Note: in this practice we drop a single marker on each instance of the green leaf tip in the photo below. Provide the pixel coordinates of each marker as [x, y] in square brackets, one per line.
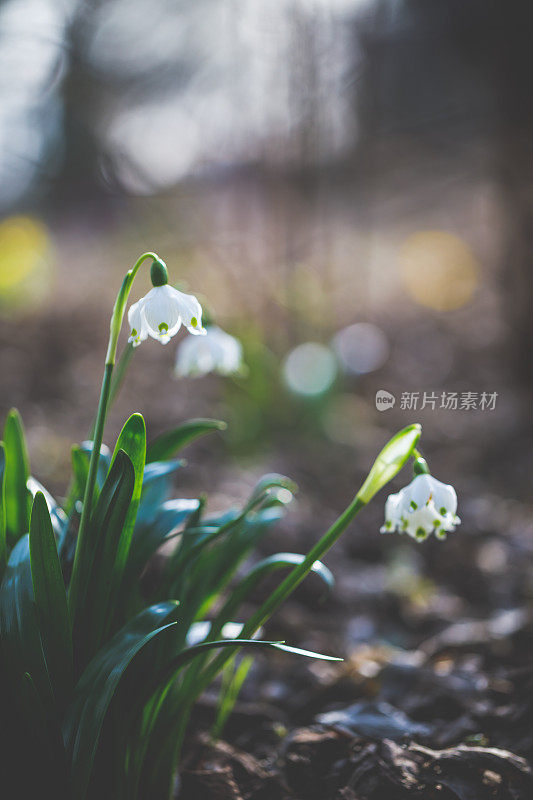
[171, 442]
[17, 472]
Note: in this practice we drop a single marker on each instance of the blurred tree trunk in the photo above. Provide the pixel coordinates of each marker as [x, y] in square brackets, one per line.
[512, 62]
[78, 178]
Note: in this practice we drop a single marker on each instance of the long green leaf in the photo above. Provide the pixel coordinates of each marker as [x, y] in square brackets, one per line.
[94, 611]
[163, 745]
[42, 747]
[169, 672]
[156, 488]
[17, 470]
[149, 537]
[80, 472]
[270, 564]
[19, 633]
[57, 516]
[171, 442]
[132, 440]
[216, 565]
[272, 487]
[50, 600]
[3, 542]
[97, 686]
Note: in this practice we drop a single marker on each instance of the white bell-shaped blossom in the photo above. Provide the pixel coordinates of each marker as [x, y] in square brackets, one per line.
[216, 352]
[160, 314]
[425, 505]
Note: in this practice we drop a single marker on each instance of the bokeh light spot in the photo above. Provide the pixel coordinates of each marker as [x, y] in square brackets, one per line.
[350, 420]
[438, 269]
[361, 348]
[310, 369]
[24, 263]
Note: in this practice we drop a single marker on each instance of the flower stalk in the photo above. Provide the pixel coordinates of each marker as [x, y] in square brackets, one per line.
[114, 331]
[389, 462]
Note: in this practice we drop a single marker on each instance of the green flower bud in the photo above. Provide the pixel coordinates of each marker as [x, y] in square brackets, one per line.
[159, 273]
[390, 461]
[420, 466]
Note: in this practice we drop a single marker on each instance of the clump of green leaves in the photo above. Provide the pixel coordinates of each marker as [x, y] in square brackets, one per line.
[98, 673]
[96, 693]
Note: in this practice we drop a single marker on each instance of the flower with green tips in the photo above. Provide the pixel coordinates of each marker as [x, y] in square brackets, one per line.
[162, 311]
[425, 505]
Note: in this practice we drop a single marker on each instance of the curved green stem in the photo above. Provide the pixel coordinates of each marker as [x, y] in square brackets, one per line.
[115, 326]
[388, 463]
[117, 380]
[287, 586]
[120, 306]
[265, 611]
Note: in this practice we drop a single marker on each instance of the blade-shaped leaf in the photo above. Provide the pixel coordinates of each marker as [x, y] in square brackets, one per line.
[42, 747]
[93, 611]
[216, 564]
[273, 486]
[132, 440]
[270, 564]
[80, 472]
[176, 708]
[200, 632]
[148, 538]
[169, 672]
[57, 516]
[104, 461]
[93, 694]
[19, 633]
[157, 484]
[171, 442]
[50, 600]
[17, 473]
[3, 543]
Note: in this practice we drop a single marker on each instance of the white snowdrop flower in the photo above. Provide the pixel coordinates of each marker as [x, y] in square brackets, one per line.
[425, 505]
[217, 352]
[160, 314]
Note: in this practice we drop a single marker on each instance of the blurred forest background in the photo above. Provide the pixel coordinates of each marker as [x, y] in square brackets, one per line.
[351, 173]
[347, 186]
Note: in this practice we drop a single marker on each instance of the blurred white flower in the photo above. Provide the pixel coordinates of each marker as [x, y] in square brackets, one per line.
[160, 314]
[217, 352]
[425, 505]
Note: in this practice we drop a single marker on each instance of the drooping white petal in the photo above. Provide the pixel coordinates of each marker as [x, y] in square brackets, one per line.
[190, 311]
[392, 517]
[138, 332]
[420, 491]
[444, 497]
[161, 313]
